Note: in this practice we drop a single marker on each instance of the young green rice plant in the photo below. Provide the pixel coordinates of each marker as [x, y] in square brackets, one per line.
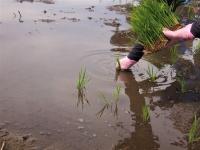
[182, 84]
[145, 113]
[82, 79]
[116, 92]
[193, 135]
[80, 85]
[112, 104]
[148, 21]
[151, 73]
[174, 54]
[117, 62]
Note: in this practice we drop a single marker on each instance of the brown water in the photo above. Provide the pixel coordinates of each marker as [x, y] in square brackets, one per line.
[43, 47]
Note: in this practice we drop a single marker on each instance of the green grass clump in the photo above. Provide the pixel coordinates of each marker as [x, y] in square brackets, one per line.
[193, 135]
[82, 80]
[151, 73]
[149, 19]
[145, 113]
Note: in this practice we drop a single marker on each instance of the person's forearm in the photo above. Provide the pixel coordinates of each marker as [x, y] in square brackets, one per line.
[136, 53]
[195, 29]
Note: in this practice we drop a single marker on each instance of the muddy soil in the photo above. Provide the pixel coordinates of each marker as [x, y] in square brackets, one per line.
[9, 141]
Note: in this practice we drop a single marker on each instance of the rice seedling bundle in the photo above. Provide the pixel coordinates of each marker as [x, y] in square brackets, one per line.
[148, 21]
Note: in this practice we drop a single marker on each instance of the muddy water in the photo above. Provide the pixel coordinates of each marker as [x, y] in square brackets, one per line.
[44, 44]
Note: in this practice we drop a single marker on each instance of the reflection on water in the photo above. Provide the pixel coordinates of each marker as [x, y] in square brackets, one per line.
[82, 98]
[142, 137]
[110, 104]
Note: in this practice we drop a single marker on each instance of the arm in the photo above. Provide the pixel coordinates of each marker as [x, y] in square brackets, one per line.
[188, 32]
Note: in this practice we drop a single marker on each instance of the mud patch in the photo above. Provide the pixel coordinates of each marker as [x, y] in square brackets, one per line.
[112, 22]
[46, 20]
[10, 141]
[122, 38]
[121, 9]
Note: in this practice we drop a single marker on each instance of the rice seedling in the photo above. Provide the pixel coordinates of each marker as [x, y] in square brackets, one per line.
[173, 54]
[81, 82]
[118, 66]
[151, 73]
[107, 105]
[148, 21]
[82, 79]
[145, 113]
[82, 98]
[182, 84]
[117, 92]
[112, 104]
[193, 135]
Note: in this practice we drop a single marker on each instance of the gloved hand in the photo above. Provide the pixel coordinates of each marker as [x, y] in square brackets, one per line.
[125, 63]
[180, 34]
[133, 57]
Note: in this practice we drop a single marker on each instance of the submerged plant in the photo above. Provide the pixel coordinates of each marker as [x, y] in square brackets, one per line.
[82, 98]
[149, 19]
[117, 92]
[112, 104]
[174, 54]
[145, 113]
[193, 135]
[182, 84]
[82, 79]
[151, 73]
[107, 105]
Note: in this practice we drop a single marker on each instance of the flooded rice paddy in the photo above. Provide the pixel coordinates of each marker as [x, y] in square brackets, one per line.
[44, 45]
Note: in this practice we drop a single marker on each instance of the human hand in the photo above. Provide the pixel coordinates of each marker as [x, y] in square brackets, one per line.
[125, 63]
[133, 57]
[178, 35]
